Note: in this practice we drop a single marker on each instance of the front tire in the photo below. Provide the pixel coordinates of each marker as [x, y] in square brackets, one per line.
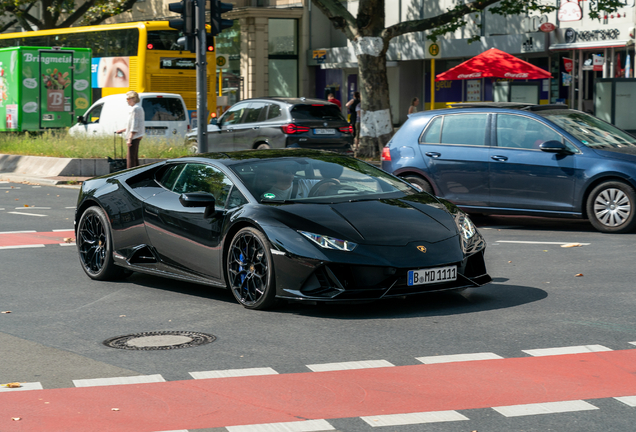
[95, 246]
[611, 207]
[250, 270]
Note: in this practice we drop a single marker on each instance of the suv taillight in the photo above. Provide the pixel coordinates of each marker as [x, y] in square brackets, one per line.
[292, 128]
[346, 129]
[386, 154]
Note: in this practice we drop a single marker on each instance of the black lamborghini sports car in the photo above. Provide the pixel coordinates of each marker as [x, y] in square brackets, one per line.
[277, 224]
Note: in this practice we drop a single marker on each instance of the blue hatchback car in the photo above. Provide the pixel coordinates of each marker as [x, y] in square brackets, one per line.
[520, 159]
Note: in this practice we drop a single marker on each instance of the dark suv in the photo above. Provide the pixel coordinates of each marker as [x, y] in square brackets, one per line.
[277, 122]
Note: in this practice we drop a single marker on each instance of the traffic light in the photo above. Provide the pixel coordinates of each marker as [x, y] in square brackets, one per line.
[217, 23]
[187, 22]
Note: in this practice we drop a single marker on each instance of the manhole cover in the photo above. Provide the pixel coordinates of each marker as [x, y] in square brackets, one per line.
[159, 340]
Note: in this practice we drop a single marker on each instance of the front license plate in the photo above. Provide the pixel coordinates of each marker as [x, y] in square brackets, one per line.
[324, 131]
[432, 275]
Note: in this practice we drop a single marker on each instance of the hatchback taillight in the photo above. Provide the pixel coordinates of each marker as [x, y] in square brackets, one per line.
[292, 128]
[386, 154]
[346, 129]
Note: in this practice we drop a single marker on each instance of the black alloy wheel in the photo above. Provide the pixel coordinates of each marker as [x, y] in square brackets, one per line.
[611, 207]
[94, 245]
[250, 270]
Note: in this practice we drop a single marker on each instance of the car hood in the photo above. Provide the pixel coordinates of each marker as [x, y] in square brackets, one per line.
[375, 222]
[620, 153]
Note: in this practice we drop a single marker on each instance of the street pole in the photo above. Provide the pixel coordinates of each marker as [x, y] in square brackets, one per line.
[202, 75]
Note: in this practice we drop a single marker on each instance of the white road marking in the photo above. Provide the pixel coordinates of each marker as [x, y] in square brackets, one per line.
[68, 244]
[35, 187]
[566, 350]
[539, 243]
[17, 232]
[23, 386]
[233, 373]
[349, 365]
[27, 214]
[633, 343]
[544, 408]
[22, 246]
[32, 207]
[627, 400]
[16, 187]
[458, 358]
[299, 426]
[60, 230]
[141, 379]
[72, 207]
[414, 418]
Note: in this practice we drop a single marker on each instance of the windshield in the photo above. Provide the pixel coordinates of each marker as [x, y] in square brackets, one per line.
[312, 179]
[589, 130]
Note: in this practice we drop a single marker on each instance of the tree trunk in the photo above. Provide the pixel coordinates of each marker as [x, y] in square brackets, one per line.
[376, 126]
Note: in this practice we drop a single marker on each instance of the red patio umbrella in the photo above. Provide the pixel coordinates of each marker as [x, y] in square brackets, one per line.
[494, 63]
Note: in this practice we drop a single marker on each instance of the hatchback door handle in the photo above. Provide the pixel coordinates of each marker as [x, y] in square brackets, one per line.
[499, 158]
[433, 154]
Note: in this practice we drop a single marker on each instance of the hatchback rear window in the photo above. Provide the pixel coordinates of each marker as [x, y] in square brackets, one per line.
[316, 112]
[163, 109]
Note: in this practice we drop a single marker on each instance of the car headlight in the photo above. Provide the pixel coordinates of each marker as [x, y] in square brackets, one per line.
[466, 227]
[330, 242]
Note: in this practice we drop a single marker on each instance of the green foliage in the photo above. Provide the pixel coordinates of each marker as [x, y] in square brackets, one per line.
[59, 144]
[60, 13]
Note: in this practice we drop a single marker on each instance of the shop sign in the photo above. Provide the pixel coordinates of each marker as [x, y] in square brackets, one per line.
[598, 62]
[570, 11]
[320, 56]
[569, 64]
[547, 27]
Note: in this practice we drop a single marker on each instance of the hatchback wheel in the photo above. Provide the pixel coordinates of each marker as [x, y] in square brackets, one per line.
[419, 182]
[95, 246]
[250, 270]
[611, 206]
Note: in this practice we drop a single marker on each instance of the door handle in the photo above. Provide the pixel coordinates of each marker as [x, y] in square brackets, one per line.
[499, 158]
[256, 127]
[433, 154]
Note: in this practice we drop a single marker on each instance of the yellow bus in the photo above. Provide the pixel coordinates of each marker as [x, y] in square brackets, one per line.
[140, 56]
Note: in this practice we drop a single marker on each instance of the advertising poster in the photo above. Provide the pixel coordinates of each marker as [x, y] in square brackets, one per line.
[473, 90]
[110, 72]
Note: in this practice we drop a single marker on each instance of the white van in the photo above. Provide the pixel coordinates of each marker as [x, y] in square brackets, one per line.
[166, 117]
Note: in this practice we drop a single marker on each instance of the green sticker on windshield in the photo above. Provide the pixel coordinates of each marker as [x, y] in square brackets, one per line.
[269, 196]
[584, 142]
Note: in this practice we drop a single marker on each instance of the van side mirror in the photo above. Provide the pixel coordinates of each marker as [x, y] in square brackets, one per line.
[80, 119]
[214, 121]
[554, 147]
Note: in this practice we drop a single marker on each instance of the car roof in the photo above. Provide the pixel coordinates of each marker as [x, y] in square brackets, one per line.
[487, 107]
[289, 100]
[236, 157]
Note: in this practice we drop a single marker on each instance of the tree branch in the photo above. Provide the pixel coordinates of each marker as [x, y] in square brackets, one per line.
[339, 16]
[79, 12]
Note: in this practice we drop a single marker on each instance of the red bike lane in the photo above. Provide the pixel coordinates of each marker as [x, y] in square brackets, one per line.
[221, 402]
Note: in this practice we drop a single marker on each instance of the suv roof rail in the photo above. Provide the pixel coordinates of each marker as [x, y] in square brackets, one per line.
[513, 105]
[547, 107]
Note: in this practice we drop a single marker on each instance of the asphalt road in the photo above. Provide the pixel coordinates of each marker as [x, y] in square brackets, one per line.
[543, 296]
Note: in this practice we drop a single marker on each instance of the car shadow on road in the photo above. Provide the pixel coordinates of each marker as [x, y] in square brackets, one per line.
[497, 295]
[532, 223]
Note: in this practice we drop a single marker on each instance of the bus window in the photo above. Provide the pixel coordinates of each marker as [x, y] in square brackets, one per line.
[164, 40]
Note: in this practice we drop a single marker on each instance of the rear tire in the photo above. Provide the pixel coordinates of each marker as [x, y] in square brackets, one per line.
[611, 207]
[420, 182]
[263, 146]
[95, 246]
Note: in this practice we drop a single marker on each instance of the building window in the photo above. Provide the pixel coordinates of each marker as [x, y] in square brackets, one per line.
[283, 57]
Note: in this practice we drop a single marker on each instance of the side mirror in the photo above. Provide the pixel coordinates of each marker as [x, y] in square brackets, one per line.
[554, 147]
[80, 119]
[199, 199]
[214, 121]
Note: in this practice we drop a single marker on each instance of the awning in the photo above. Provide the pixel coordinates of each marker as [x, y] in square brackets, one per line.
[592, 45]
[494, 63]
